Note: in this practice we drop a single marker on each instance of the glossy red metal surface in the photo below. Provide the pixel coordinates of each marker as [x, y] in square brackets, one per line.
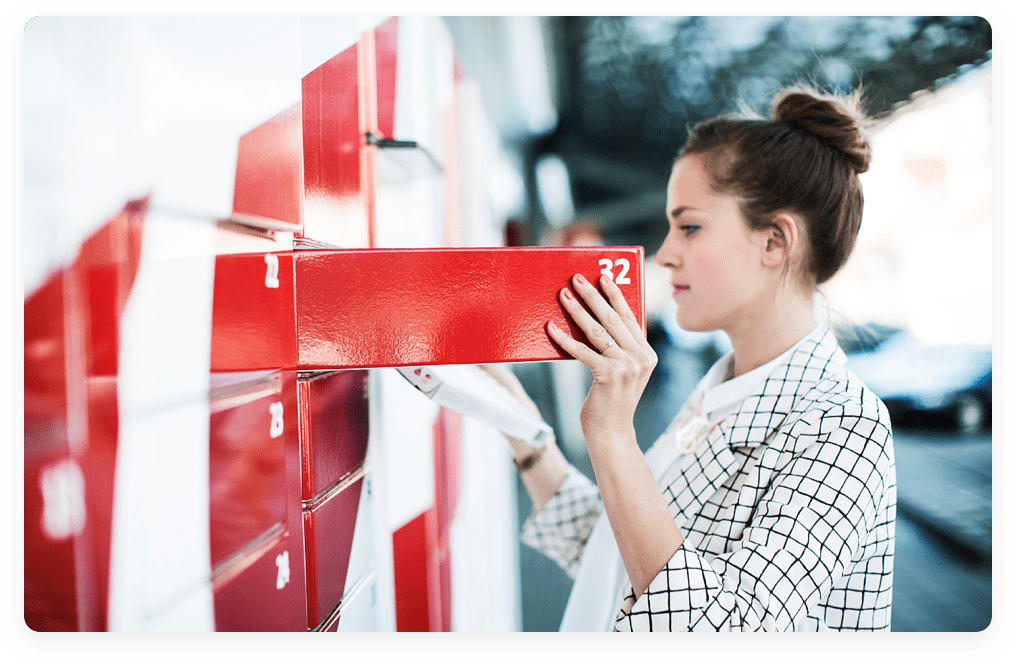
[386, 42]
[334, 426]
[102, 276]
[422, 547]
[256, 530]
[402, 307]
[366, 86]
[447, 452]
[50, 593]
[328, 539]
[250, 425]
[269, 169]
[334, 203]
[253, 321]
[266, 593]
[71, 426]
[417, 574]
[258, 480]
[406, 307]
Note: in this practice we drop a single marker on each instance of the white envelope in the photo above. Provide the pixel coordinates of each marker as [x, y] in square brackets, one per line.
[470, 390]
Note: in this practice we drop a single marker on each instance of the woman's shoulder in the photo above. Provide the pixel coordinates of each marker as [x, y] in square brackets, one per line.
[833, 384]
[841, 401]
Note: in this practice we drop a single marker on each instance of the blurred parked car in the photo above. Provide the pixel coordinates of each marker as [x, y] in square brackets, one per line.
[922, 384]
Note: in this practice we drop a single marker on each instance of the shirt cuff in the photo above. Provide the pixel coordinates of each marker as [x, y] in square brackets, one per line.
[675, 598]
[561, 528]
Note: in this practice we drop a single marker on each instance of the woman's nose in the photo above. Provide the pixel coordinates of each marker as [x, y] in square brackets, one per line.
[667, 256]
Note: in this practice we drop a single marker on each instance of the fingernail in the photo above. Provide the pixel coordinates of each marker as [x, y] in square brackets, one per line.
[567, 294]
[579, 278]
[552, 326]
[608, 276]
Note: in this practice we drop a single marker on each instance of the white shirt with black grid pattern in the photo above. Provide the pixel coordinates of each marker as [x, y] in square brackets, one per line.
[788, 509]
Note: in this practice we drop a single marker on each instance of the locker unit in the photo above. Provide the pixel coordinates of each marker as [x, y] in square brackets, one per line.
[71, 427]
[329, 309]
[333, 428]
[255, 531]
[215, 434]
[53, 493]
[334, 433]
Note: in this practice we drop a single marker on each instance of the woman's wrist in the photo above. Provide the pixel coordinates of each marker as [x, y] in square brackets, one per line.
[528, 460]
[605, 442]
[542, 471]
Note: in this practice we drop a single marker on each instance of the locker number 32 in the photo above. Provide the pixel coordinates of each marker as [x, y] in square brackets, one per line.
[607, 267]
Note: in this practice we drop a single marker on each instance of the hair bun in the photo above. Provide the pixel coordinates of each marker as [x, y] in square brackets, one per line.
[836, 120]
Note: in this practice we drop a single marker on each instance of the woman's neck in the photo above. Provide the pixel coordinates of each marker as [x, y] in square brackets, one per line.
[759, 339]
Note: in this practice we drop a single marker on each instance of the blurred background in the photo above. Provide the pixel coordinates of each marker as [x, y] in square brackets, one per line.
[592, 111]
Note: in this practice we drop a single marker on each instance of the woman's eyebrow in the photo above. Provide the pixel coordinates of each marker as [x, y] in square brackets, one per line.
[678, 211]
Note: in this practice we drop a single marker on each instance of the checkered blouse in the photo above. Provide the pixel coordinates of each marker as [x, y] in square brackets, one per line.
[788, 509]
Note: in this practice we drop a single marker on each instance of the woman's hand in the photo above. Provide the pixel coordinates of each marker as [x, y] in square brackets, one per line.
[621, 359]
[644, 530]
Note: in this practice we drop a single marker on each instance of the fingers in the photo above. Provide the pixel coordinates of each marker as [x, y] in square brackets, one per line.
[620, 305]
[600, 334]
[576, 349]
[611, 319]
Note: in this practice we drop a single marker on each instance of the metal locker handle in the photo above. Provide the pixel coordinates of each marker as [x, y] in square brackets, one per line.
[402, 160]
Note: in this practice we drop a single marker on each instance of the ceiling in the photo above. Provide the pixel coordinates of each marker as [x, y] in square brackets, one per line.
[612, 97]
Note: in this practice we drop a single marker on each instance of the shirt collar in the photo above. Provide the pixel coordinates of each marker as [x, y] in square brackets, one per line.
[763, 401]
[723, 397]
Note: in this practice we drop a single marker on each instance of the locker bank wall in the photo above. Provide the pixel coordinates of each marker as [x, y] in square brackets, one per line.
[186, 467]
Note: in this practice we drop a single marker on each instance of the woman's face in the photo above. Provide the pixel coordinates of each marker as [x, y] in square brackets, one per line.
[715, 260]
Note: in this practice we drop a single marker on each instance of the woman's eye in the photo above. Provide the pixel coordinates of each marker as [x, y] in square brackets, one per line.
[688, 229]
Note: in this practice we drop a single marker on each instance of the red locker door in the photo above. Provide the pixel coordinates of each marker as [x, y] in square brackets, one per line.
[410, 307]
[338, 162]
[334, 428]
[255, 535]
[54, 492]
[403, 307]
[269, 172]
[247, 474]
[71, 427]
[253, 321]
[328, 526]
[265, 593]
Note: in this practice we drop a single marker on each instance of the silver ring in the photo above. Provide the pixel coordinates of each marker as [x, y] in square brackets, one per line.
[601, 351]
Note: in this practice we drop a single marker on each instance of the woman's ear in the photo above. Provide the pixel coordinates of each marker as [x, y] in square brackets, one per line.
[780, 240]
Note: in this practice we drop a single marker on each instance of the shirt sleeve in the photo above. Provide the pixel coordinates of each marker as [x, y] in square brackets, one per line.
[809, 527]
[561, 529]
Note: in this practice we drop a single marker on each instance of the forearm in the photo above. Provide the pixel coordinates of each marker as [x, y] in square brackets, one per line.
[543, 478]
[643, 527]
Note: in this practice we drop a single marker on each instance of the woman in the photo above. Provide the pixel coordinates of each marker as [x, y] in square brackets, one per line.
[769, 504]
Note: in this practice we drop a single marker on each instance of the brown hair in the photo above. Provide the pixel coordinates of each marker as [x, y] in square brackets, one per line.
[804, 161]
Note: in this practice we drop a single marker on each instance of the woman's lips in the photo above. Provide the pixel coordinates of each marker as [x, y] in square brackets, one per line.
[680, 288]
